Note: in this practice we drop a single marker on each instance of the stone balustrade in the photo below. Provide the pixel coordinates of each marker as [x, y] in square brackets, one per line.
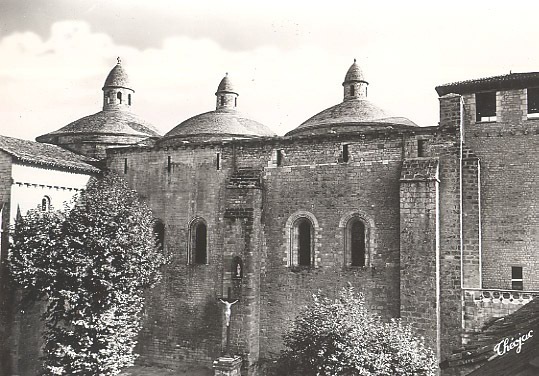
[500, 296]
[483, 305]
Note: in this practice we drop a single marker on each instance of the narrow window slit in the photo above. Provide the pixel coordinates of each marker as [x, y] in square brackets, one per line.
[345, 153]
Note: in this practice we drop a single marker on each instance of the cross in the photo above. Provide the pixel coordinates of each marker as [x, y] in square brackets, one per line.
[228, 312]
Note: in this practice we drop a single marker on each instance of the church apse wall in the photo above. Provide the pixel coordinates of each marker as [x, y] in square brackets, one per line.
[254, 195]
[314, 183]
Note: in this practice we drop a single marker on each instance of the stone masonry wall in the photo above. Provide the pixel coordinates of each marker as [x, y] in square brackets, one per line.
[299, 176]
[312, 178]
[183, 318]
[509, 185]
[471, 221]
[419, 267]
[447, 147]
[314, 181]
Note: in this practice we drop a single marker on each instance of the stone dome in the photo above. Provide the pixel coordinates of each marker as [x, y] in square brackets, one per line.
[354, 113]
[225, 122]
[117, 77]
[226, 86]
[116, 125]
[354, 74]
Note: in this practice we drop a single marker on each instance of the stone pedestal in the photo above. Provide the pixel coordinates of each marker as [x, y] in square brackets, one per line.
[227, 366]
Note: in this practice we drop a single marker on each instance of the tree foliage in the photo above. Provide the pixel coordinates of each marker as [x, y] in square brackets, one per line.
[90, 266]
[339, 337]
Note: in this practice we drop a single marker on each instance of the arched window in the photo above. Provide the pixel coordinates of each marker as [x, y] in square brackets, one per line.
[159, 231]
[355, 242]
[302, 236]
[129, 99]
[235, 101]
[45, 203]
[108, 97]
[119, 96]
[222, 100]
[198, 242]
[301, 229]
[352, 90]
[304, 241]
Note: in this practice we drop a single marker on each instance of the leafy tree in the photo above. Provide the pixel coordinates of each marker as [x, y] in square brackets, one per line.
[90, 266]
[339, 337]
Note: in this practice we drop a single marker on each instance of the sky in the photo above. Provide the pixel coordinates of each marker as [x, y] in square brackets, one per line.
[287, 59]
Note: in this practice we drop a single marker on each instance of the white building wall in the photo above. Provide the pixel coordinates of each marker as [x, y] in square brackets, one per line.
[31, 183]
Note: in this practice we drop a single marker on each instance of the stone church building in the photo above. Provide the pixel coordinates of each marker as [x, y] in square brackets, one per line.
[436, 225]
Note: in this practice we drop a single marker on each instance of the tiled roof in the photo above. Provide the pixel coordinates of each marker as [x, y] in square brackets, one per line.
[115, 122]
[480, 349]
[219, 123]
[354, 111]
[503, 82]
[45, 154]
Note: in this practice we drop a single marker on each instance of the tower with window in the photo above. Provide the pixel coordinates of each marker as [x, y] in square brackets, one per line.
[355, 86]
[117, 91]
[227, 97]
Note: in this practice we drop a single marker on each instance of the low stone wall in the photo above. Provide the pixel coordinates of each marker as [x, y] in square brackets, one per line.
[482, 306]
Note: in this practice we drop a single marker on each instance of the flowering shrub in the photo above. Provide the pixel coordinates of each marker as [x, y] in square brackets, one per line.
[334, 337]
[90, 265]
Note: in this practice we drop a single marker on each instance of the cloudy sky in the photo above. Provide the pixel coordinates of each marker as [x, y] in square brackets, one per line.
[286, 58]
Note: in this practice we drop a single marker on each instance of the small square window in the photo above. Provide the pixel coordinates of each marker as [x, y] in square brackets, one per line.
[485, 105]
[516, 278]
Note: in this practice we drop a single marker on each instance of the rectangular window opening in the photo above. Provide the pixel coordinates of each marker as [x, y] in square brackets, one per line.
[516, 278]
[345, 153]
[533, 102]
[218, 161]
[169, 164]
[279, 157]
[421, 148]
[485, 106]
[125, 165]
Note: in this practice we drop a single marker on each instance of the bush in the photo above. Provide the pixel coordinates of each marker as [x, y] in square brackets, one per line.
[334, 337]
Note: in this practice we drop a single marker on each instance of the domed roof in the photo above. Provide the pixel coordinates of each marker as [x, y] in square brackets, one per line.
[224, 123]
[226, 85]
[219, 124]
[354, 74]
[111, 123]
[117, 77]
[356, 112]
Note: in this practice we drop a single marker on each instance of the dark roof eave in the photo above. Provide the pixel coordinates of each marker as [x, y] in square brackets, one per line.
[379, 124]
[504, 82]
[53, 134]
[90, 169]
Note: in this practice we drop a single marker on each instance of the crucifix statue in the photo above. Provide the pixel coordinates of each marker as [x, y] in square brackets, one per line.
[228, 312]
[228, 309]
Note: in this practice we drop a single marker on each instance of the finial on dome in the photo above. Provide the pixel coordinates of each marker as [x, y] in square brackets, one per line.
[354, 60]
[120, 60]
